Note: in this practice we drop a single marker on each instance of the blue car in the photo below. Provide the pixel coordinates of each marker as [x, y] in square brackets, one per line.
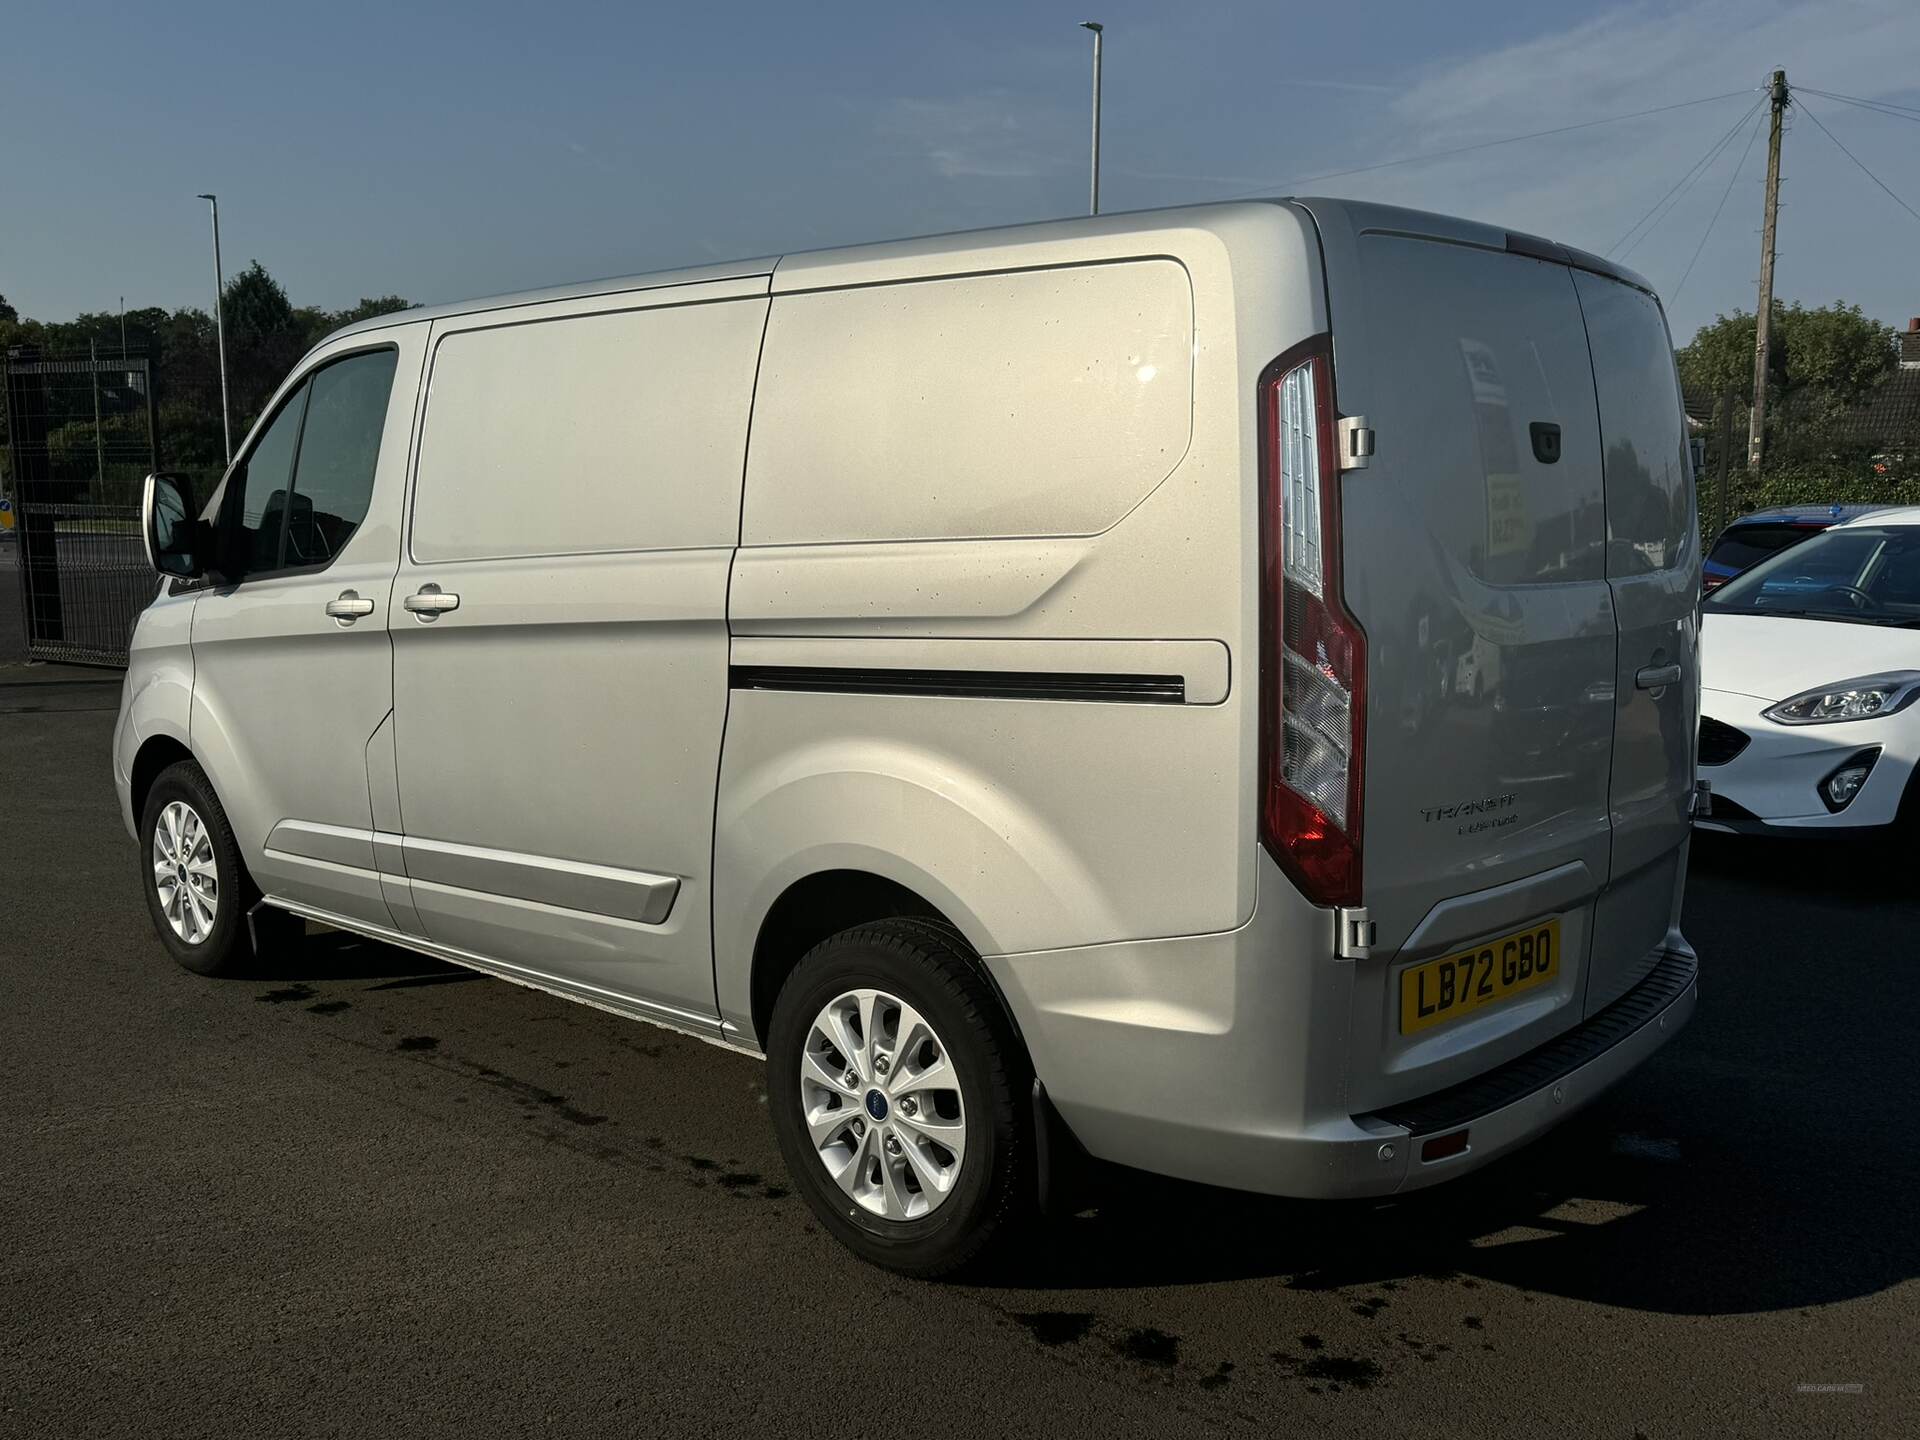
[1752, 538]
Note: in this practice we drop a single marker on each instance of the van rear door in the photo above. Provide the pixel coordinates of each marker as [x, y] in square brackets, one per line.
[1653, 569]
[1475, 559]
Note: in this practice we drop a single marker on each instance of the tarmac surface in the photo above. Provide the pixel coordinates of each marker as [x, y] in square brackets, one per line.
[362, 1193]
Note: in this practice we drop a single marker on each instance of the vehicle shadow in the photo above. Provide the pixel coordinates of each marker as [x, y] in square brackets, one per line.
[328, 954]
[1878, 870]
[1602, 1211]
[1755, 1164]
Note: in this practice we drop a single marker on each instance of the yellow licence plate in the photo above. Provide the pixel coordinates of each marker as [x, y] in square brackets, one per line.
[1456, 985]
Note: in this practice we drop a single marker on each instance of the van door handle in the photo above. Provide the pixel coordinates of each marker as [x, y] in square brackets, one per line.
[430, 602]
[1657, 677]
[349, 607]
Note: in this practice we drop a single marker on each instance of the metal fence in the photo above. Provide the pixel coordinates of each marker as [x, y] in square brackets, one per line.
[81, 440]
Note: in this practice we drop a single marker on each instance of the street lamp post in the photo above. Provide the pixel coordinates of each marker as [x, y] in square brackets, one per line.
[220, 326]
[1096, 27]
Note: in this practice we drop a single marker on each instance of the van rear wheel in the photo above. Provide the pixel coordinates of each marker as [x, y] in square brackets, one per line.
[894, 1079]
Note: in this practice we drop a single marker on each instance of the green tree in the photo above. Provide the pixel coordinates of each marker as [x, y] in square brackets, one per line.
[368, 308]
[1825, 363]
[1832, 352]
[256, 307]
[266, 336]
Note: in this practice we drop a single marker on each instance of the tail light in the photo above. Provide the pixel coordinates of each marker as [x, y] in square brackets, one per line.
[1313, 663]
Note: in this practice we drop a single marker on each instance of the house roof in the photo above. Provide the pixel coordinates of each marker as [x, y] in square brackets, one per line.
[1889, 415]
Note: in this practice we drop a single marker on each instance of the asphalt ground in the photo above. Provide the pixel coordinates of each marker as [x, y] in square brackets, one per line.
[361, 1193]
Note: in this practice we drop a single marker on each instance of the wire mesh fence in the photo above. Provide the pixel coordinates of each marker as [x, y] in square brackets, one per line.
[81, 439]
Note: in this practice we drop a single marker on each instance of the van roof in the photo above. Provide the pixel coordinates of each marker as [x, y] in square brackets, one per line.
[915, 251]
[894, 259]
[579, 290]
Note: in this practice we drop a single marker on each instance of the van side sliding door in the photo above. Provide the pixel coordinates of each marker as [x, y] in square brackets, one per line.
[560, 635]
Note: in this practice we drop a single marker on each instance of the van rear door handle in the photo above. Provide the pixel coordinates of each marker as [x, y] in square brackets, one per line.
[349, 607]
[1657, 677]
[430, 602]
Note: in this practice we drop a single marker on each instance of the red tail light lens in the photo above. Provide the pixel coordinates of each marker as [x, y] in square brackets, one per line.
[1313, 654]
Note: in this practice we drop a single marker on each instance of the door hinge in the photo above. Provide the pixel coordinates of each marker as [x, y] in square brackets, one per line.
[1353, 939]
[1356, 442]
[1702, 805]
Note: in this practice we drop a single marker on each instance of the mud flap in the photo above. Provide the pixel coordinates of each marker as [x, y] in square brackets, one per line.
[1062, 1168]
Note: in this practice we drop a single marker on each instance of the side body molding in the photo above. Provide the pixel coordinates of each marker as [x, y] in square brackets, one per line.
[635, 895]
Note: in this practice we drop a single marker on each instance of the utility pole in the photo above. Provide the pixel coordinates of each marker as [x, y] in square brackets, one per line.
[220, 325]
[1763, 315]
[1096, 27]
[123, 327]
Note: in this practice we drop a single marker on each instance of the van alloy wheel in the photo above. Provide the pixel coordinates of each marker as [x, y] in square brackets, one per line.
[880, 1096]
[184, 873]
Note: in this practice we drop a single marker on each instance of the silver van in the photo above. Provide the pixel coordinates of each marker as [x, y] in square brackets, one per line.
[1213, 687]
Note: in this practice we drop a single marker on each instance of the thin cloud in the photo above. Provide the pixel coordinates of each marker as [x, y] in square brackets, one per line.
[1589, 186]
[991, 135]
[1294, 82]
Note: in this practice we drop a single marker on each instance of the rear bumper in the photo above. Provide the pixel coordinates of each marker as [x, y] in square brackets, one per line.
[1513, 1103]
[1205, 1059]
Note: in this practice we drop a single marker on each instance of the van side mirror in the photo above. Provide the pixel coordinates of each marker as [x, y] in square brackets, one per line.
[169, 528]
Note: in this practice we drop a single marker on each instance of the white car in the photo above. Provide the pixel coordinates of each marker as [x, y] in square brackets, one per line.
[1810, 668]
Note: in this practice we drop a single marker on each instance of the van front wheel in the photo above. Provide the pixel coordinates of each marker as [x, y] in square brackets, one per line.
[197, 889]
[894, 1080]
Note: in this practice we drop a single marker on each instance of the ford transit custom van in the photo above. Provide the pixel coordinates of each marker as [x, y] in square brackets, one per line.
[1213, 687]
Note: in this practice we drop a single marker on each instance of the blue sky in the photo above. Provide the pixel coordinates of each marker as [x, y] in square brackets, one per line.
[448, 151]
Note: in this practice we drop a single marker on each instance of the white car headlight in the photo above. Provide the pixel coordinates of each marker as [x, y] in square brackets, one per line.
[1867, 698]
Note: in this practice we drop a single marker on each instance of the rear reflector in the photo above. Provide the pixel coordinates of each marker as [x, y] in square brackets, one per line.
[1443, 1146]
[1313, 653]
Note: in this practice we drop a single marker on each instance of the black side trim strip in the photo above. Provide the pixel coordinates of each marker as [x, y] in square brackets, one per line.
[1466, 1102]
[963, 684]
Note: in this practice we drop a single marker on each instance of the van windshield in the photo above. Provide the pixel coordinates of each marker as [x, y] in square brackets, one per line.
[1855, 575]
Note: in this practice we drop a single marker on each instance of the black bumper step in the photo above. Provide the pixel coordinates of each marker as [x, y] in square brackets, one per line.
[1466, 1102]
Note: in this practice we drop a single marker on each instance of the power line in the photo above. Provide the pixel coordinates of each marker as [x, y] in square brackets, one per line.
[1708, 232]
[1883, 107]
[1858, 161]
[1693, 172]
[1268, 189]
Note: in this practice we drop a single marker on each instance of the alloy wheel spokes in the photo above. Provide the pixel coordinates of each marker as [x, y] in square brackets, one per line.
[186, 876]
[881, 1101]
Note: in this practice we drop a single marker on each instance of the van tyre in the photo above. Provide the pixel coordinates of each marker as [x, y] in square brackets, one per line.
[197, 890]
[900, 1097]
